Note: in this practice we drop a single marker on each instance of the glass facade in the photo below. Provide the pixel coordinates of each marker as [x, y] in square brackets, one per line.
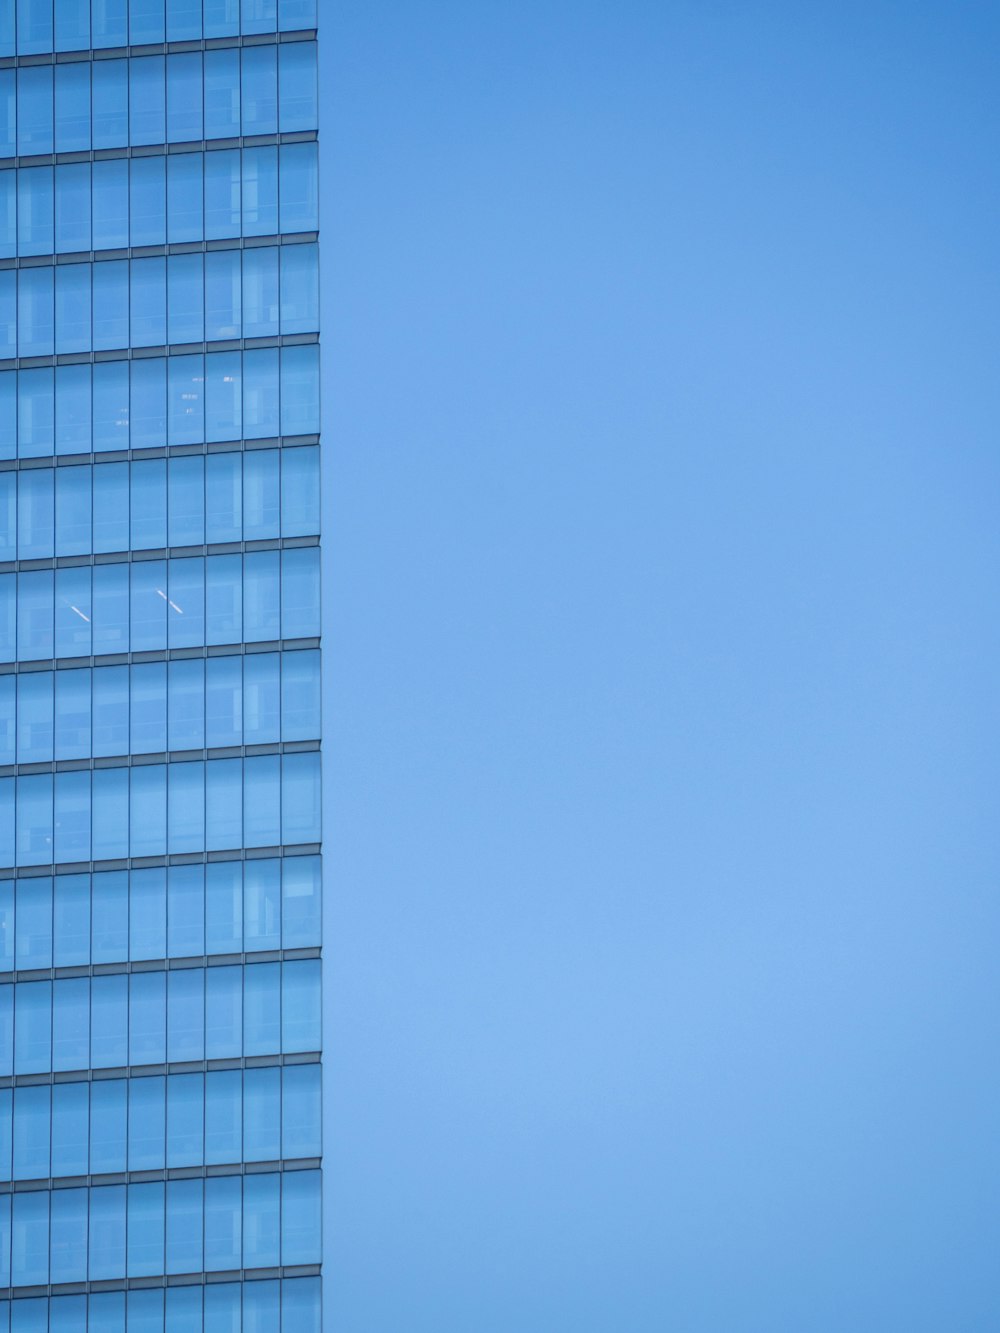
[160, 840]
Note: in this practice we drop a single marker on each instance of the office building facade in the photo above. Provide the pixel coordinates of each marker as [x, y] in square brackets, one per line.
[160, 869]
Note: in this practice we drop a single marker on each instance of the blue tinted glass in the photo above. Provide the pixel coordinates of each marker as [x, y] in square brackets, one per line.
[300, 1006]
[300, 1304]
[186, 1015]
[74, 510]
[147, 1018]
[186, 808]
[261, 1115]
[183, 20]
[223, 1117]
[261, 495]
[260, 292]
[72, 911]
[262, 1009]
[260, 191]
[147, 187]
[299, 390]
[110, 101]
[186, 705]
[224, 1013]
[297, 75]
[107, 1241]
[32, 1129]
[300, 592]
[109, 1028]
[301, 1233]
[185, 1119]
[30, 1239]
[261, 698]
[110, 22]
[110, 204]
[110, 695]
[222, 94]
[261, 1221]
[73, 107]
[71, 1024]
[223, 192]
[147, 707]
[301, 1111]
[70, 1129]
[110, 904]
[186, 501]
[185, 1225]
[145, 21]
[223, 1223]
[223, 910]
[299, 288]
[299, 188]
[186, 198]
[148, 302]
[69, 1240]
[34, 107]
[183, 1309]
[184, 97]
[260, 89]
[258, 16]
[261, 1306]
[146, 1124]
[262, 904]
[73, 221]
[72, 24]
[186, 299]
[107, 1310]
[148, 904]
[34, 26]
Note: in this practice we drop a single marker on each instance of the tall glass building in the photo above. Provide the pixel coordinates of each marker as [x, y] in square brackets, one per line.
[160, 875]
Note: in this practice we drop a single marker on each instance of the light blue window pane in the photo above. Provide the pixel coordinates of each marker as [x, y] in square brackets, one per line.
[30, 1239]
[186, 399]
[69, 1247]
[223, 1223]
[222, 94]
[301, 1306]
[223, 599]
[33, 1027]
[186, 284]
[300, 1006]
[32, 1130]
[148, 812]
[71, 1024]
[148, 912]
[261, 698]
[73, 218]
[183, 20]
[186, 197]
[301, 1231]
[145, 1308]
[186, 501]
[148, 504]
[8, 313]
[185, 907]
[299, 288]
[261, 596]
[186, 602]
[184, 98]
[260, 292]
[73, 612]
[260, 90]
[149, 302]
[185, 1119]
[262, 904]
[185, 1225]
[260, 191]
[110, 795]
[301, 1111]
[8, 214]
[223, 194]
[222, 18]
[107, 1310]
[222, 1307]
[34, 922]
[74, 510]
[110, 687]
[34, 614]
[29, 1315]
[147, 196]
[72, 917]
[299, 92]
[258, 16]
[186, 704]
[223, 1119]
[35, 413]
[73, 409]
[261, 1229]
[300, 696]
[223, 912]
[110, 304]
[299, 188]
[223, 701]
[107, 1240]
[34, 26]
[35, 215]
[147, 99]
[35, 514]
[8, 608]
[73, 103]
[223, 1013]
[147, 1111]
[223, 413]
[186, 813]
[69, 1313]
[34, 820]
[109, 922]
[73, 301]
[72, 817]
[261, 495]
[8, 406]
[34, 106]
[300, 798]
[110, 23]
[36, 312]
[8, 719]
[183, 1309]
[300, 592]
[111, 204]
[145, 21]
[149, 403]
[261, 1306]
[148, 605]
[108, 1108]
[109, 1049]
[223, 804]
[147, 1034]
[186, 1014]
[111, 405]
[71, 1131]
[35, 711]
[72, 25]
[8, 515]
[223, 295]
[300, 390]
[8, 112]
[111, 507]
[147, 707]
[110, 102]
[261, 1115]
[7, 1029]
[7, 11]
[262, 1009]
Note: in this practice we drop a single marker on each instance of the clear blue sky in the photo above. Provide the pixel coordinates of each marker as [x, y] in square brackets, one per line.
[662, 486]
